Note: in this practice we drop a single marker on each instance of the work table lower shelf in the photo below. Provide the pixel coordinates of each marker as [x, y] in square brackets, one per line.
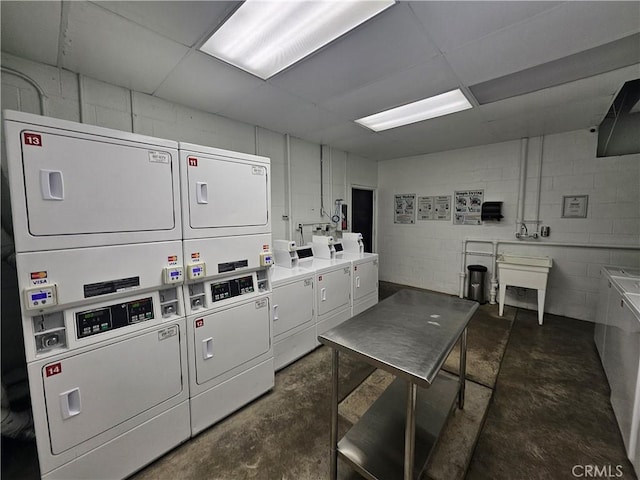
[375, 445]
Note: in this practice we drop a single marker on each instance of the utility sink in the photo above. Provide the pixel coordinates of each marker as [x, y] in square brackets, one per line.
[522, 260]
[523, 271]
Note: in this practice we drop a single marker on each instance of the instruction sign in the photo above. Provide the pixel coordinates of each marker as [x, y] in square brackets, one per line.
[405, 208]
[468, 204]
[434, 208]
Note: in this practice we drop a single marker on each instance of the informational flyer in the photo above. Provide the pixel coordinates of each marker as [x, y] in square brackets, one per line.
[468, 204]
[405, 208]
[434, 208]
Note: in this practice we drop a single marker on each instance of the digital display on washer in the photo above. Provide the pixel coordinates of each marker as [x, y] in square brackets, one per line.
[305, 253]
[338, 247]
[38, 296]
[92, 322]
[232, 288]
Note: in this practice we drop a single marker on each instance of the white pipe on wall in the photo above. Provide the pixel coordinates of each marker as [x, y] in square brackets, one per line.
[289, 203]
[524, 149]
[42, 97]
[133, 116]
[81, 113]
[539, 190]
[463, 270]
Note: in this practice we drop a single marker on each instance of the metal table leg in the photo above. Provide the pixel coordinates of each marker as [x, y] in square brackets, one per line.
[333, 462]
[410, 431]
[463, 367]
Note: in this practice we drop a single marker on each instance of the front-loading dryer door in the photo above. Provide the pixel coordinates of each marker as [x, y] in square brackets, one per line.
[292, 305]
[224, 193]
[89, 393]
[229, 338]
[365, 279]
[76, 186]
[333, 289]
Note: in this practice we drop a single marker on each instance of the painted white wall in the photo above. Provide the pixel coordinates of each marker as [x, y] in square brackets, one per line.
[115, 107]
[428, 254]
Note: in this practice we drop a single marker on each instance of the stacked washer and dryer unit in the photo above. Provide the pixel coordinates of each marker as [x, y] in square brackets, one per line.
[97, 227]
[132, 348]
[226, 199]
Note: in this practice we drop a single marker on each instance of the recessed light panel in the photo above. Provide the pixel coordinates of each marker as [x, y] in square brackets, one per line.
[264, 37]
[432, 107]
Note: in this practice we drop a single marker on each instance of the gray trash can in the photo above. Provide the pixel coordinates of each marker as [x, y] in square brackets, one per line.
[477, 274]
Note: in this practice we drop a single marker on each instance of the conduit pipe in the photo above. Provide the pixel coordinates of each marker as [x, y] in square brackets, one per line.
[539, 191]
[42, 98]
[81, 113]
[494, 254]
[287, 163]
[133, 116]
[524, 152]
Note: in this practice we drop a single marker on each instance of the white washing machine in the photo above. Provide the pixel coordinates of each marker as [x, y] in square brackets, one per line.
[333, 286]
[607, 274]
[99, 264]
[294, 320]
[364, 271]
[622, 358]
[633, 304]
[227, 247]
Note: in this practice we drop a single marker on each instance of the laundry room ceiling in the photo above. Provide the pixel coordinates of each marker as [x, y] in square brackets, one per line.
[536, 67]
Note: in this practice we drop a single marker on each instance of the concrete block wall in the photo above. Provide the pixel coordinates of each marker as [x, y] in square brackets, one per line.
[119, 108]
[429, 253]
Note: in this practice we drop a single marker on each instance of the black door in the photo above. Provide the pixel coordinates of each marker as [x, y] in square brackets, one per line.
[362, 215]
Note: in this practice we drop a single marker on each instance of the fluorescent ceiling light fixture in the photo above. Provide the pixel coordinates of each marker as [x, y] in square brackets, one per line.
[432, 107]
[264, 37]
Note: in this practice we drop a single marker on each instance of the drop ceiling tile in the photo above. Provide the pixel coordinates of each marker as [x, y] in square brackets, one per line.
[31, 29]
[452, 24]
[203, 82]
[336, 131]
[372, 145]
[390, 42]
[399, 88]
[269, 107]
[543, 120]
[605, 85]
[570, 28]
[457, 130]
[110, 48]
[605, 58]
[185, 22]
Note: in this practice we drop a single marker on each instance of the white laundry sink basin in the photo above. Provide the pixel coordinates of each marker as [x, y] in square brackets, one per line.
[523, 271]
[523, 260]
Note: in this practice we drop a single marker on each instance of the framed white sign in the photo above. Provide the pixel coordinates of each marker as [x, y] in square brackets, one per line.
[574, 206]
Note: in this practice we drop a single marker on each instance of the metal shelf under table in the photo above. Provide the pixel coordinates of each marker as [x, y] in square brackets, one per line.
[410, 335]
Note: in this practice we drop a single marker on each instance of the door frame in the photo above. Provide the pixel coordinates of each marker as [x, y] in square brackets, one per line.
[374, 220]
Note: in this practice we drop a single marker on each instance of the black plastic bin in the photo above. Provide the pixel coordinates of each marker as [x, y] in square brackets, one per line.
[476, 291]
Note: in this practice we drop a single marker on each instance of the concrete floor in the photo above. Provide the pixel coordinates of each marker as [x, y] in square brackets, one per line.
[548, 410]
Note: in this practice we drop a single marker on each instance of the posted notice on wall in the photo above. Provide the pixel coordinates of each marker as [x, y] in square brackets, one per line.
[468, 205]
[405, 208]
[434, 208]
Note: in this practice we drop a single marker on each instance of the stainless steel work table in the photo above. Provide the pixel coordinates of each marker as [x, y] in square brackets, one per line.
[410, 335]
